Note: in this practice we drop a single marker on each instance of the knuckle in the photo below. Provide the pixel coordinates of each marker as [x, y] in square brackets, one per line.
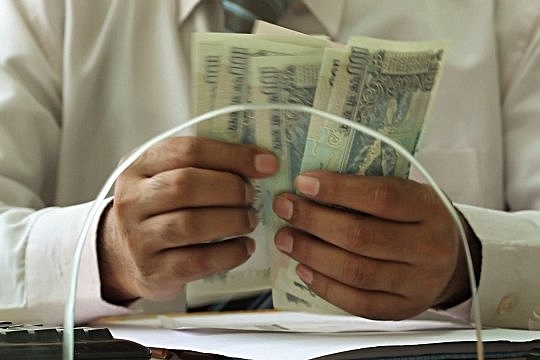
[384, 197]
[170, 232]
[183, 182]
[124, 200]
[185, 228]
[300, 216]
[154, 153]
[188, 147]
[159, 182]
[358, 236]
[354, 273]
[180, 182]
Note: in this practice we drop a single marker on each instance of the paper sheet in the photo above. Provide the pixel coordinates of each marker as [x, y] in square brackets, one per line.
[284, 321]
[272, 335]
[298, 346]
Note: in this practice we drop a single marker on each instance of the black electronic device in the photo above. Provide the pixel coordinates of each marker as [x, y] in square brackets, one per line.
[33, 342]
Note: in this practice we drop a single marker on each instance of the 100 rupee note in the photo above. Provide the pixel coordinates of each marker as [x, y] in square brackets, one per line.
[226, 72]
[282, 80]
[387, 86]
[222, 64]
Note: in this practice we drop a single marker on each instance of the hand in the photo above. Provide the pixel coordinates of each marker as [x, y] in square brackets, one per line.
[377, 247]
[169, 208]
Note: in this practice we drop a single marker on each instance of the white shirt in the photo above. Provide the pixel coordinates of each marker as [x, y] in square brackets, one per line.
[84, 82]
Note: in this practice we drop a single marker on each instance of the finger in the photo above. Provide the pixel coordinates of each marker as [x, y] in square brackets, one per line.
[167, 273]
[195, 226]
[207, 259]
[359, 234]
[382, 196]
[350, 269]
[190, 187]
[246, 160]
[376, 305]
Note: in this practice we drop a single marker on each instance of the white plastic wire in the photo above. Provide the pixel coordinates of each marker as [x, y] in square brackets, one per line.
[69, 313]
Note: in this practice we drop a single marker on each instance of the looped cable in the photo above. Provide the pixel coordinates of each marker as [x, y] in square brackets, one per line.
[69, 313]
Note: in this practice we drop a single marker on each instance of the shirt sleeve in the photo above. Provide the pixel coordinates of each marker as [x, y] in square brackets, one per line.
[509, 287]
[37, 241]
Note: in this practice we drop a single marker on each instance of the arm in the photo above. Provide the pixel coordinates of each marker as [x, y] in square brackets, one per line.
[509, 286]
[391, 259]
[36, 240]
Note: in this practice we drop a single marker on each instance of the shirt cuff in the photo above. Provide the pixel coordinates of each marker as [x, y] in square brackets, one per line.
[508, 287]
[49, 257]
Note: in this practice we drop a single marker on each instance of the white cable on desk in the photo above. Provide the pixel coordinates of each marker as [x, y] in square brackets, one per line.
[69, 313]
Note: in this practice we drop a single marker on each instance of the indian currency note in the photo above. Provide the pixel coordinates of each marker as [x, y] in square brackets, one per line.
[282, 80]
[235, 53]
[222, 66]
[333, 62]
[387, 86]
[289, 292]
[206, 61]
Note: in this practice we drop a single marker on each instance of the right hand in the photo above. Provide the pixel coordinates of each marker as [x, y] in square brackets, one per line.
[169, 207]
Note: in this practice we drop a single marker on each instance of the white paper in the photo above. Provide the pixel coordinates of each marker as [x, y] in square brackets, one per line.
[273, 335]
[298, 346]
[285, 321]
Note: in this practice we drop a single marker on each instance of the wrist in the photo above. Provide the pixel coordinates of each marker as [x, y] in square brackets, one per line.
[113, 283]
[458, 288]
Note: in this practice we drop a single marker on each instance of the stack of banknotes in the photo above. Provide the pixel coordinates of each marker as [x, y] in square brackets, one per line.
[385, 85]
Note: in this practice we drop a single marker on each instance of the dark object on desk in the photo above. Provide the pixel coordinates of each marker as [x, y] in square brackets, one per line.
[534, 354]
[33, 342]
[466, 350]
[186, 355]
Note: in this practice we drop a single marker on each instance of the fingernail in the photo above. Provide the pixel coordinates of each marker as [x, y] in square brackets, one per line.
[250, 246]
[266, 163]
[284, 242]
[253, 219]
[283, 207]
[307, 185]
[305, 274]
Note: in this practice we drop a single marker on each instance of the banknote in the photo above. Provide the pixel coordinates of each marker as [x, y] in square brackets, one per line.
[233, 56]
[385, 85]
[222, 64]
[207, 69]
[282, 80]
[333, 60]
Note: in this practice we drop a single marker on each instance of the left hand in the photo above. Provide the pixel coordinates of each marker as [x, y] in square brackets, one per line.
[379, 247]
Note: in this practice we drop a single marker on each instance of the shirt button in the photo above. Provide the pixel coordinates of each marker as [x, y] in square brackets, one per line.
[534, 321]
[506, 304]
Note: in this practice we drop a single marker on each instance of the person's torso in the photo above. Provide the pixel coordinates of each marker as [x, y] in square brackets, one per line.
[127, 77]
